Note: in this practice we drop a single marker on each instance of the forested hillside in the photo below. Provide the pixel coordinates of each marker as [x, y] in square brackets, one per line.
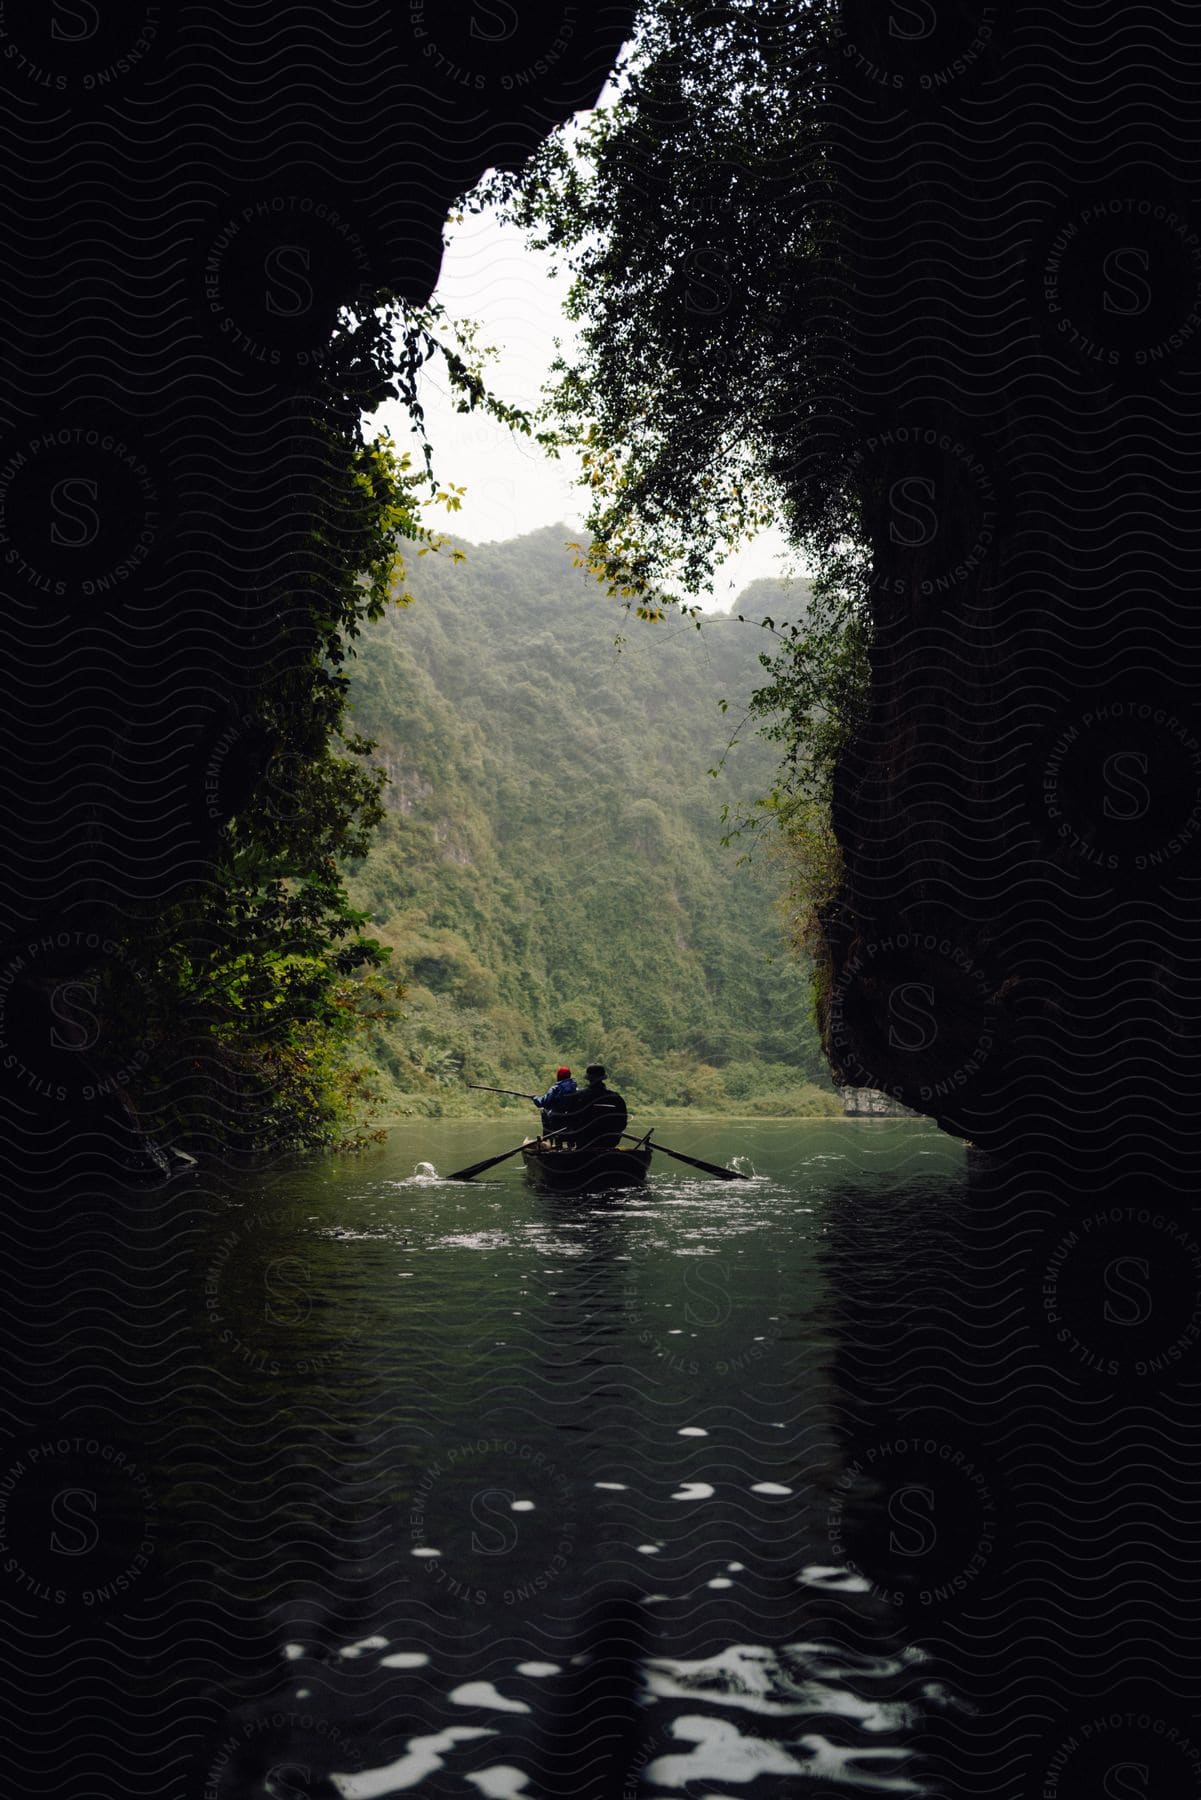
[550, 873]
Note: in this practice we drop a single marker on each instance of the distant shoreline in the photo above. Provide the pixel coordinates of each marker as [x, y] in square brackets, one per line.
[681, 1115]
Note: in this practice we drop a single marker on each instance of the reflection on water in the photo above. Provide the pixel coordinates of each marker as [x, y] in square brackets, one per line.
[864, 1475]
[543, 1504]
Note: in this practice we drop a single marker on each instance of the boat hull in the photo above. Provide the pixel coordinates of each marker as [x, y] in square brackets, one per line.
[585, 1171]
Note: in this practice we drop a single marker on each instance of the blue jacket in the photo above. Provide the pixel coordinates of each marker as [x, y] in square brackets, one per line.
[553, 1095]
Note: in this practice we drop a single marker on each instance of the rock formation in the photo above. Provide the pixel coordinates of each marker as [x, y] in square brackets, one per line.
[1014, 946]
[192, 195]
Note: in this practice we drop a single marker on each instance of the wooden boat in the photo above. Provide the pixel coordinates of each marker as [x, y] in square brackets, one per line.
[578, 1171]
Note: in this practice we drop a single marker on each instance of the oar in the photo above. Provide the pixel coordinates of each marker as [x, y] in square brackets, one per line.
[709, 1168]
[490, 1162]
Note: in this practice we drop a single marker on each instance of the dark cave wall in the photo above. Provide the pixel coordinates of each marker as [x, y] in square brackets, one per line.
[191, 197]
[1013, 949]
[1014, 945]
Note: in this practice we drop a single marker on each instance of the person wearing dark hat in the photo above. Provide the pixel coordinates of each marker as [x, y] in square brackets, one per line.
[598, 1115]
[557, 1099]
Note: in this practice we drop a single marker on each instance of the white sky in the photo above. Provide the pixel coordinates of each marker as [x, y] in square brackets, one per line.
[489, 274]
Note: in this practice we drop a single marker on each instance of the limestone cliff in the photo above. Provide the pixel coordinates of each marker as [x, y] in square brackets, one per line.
[1013, 950]
[192, 196]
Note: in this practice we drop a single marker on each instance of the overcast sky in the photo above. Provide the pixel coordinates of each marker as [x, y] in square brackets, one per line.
[490, 275]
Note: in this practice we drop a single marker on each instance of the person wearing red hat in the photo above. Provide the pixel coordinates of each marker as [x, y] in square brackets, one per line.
[554, 1102]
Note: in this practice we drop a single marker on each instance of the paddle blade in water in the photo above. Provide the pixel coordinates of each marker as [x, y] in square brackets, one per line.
[697, 1163]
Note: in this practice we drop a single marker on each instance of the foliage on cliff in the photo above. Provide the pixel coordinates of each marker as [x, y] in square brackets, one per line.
[550, 872]
[259, 978]
[697, 215]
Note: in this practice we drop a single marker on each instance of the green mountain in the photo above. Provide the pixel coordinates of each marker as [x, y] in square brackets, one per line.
[550, 873]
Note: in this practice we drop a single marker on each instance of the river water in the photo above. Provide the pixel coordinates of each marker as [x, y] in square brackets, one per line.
[565, 1506]
[869, 1473]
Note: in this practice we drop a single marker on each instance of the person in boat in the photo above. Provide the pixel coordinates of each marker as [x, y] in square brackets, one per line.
[598, 1116]
[557, 1100]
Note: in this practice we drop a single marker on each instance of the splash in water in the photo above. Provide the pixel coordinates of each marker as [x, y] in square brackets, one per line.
[424, 1175]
